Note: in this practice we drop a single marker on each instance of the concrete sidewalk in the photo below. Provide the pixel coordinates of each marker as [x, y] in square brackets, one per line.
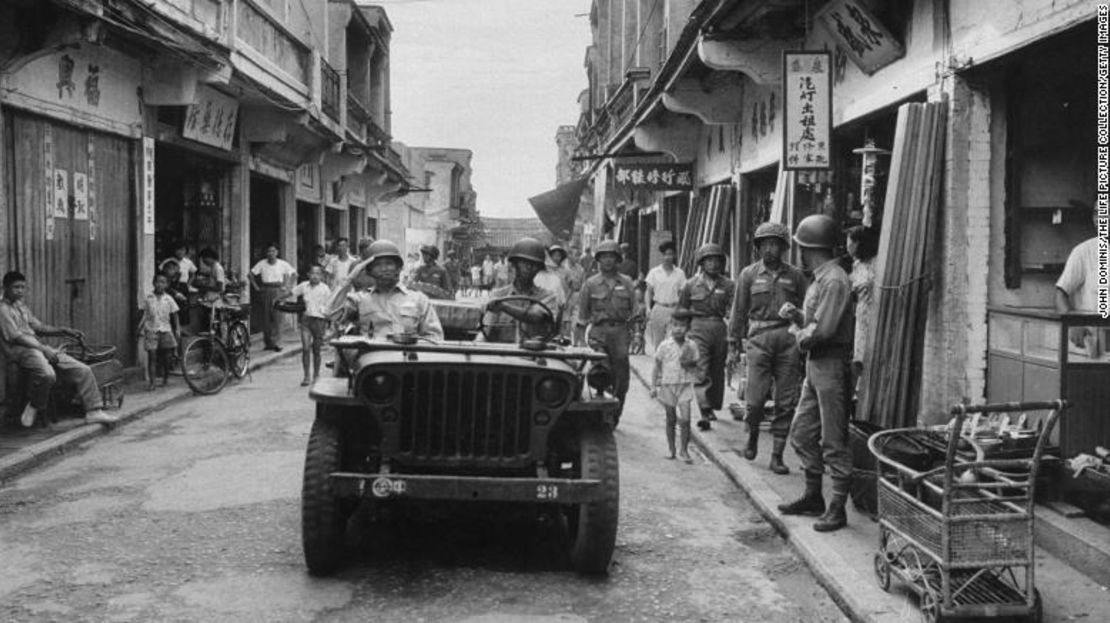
[22, 449]
[843, 561]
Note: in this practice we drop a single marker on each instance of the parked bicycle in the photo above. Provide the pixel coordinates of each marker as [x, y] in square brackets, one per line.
[222, 351]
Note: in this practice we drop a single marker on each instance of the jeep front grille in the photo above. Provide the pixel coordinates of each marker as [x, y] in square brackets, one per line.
[465, 415]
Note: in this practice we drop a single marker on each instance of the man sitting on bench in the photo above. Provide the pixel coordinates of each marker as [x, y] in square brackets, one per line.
[42, 364]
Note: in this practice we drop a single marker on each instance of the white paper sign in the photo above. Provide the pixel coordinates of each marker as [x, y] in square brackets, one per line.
[61, 193]
[211, 118]
[148, 185]
[80, 196]
[807, 110]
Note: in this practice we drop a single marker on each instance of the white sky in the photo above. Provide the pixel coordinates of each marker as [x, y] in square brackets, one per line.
[497, 77]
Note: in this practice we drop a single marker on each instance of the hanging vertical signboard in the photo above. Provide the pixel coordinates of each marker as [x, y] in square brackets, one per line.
[807, 111]
[862, 37]
[91, 183]
[48, 178]
[148, 185]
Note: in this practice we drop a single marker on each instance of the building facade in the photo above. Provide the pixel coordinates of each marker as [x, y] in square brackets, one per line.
[225, 124]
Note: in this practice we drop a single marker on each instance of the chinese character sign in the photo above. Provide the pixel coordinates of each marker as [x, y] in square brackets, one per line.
[148, 185]
[866, 41]
[48, 177]
[655, 176]
[210, 119]
[80, 196]
[807, 110]
[61, 193]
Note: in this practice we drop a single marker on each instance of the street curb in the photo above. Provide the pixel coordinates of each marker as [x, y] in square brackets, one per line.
[25, 459]
[852, 593]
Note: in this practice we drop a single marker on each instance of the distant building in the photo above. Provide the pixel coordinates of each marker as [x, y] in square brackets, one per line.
[441, 205]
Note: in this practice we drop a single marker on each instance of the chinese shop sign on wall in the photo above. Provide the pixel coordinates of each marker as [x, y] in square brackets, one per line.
[807, 110]
[866, 41]
[148, 185]
[211, 118]
[654, 176]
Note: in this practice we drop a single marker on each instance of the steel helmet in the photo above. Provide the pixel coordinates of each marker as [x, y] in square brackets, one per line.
[556, 247]
[430, 250]
[607, 246]
[817, 231]
[709, 249]
[383, 248]
[772, 230]
[528, 249]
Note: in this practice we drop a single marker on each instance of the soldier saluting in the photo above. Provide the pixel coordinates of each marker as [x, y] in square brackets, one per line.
[705, 299]
[607, 303]
[773, 357]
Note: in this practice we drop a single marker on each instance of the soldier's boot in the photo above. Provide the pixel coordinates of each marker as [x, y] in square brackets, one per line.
[752, 447]
[812, 503]
[777, 466]
[706, 418]
[835, 517]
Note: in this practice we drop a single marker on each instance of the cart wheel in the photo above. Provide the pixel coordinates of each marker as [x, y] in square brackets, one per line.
[1036, 613]
[930, 607]
[882, 571]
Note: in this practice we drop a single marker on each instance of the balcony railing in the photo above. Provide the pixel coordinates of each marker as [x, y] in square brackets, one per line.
[329, 85]
[265, 36]
[357, 116]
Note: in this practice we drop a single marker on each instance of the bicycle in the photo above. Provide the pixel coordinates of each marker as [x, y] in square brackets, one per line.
[223, 350]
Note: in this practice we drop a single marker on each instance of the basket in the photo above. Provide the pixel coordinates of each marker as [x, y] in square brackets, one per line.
[290, 307]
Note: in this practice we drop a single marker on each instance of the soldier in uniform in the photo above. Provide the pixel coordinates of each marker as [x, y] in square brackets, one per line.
[608, 302]
[386, 307]
[824, 332]
[705, 299]
[431, 273]
[773, 357]
[527, 257]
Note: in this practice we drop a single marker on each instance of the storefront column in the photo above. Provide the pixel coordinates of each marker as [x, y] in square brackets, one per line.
[954, 366]
[289, 222]
[239, 207]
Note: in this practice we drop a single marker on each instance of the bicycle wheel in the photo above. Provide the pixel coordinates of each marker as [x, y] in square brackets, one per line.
[205, 366]
[239, 349]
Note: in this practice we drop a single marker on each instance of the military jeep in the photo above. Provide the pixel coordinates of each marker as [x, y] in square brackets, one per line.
[462, 422]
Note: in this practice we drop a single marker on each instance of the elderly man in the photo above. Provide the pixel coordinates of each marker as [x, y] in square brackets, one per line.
[44, 365]
[386, 307]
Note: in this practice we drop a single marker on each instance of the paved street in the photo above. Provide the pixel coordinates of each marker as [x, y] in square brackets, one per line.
[192, 514]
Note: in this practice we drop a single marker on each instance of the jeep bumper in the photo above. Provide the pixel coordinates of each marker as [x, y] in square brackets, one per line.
[468, 488]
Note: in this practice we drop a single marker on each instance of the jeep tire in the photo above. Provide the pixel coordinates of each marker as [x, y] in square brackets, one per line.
[323, 516]
[594, 524]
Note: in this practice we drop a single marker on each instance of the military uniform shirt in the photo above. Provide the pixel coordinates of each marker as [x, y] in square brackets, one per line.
[705, 299]
[433, 274]
[827, 309]
[607, 299]
[761, 292]
[380, 313]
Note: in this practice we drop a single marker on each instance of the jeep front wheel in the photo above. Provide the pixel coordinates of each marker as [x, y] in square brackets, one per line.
[323, 519]
[594, 525]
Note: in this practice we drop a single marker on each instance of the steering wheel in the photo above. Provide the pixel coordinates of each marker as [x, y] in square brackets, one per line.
[552, 327]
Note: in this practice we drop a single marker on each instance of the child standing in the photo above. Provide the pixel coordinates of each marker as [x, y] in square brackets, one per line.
[313, 321]
[159, 329]
[672, 384]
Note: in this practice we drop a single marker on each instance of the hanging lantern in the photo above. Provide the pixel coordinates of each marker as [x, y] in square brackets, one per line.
[869, 172]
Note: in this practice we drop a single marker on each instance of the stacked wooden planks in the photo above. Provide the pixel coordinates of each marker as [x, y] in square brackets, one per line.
[892, 379]
[706, 223]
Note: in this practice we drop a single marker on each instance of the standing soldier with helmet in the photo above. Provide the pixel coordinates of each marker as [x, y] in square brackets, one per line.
[824, 332]
[608, 302]
[705, 300]
[773, 357]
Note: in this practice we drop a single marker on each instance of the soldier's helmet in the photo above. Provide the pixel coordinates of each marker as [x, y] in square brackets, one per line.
[383, 248]
[817, 231]
[709, 249]
[556, 248]
[528, 249]
[772, 230]
[607, 246]
[431, 251]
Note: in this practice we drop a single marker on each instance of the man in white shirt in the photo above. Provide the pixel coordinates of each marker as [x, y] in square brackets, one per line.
[340, 265]
[1077, 289]
[187, 267]
[269, 277]
[663, 284]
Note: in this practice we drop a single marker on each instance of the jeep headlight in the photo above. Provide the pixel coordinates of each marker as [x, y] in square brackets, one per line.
[378, 386]
[552, 390]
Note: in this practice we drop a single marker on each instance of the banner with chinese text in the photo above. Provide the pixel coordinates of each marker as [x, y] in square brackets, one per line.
[654, 176]
[807, 111]
[862, 37]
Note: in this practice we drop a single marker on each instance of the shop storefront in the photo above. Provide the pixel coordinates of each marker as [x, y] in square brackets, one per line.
[71, 128]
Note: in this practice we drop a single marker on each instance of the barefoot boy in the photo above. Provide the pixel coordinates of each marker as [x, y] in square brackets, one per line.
[672, 384]
[314, 322]
[159, 329]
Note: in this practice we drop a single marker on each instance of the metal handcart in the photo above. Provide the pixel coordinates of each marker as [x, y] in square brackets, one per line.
[961, 534]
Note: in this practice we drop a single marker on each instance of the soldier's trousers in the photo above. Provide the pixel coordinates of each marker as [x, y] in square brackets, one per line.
[614, 341]
[773, 359]
[820, 431]
[710, 335]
